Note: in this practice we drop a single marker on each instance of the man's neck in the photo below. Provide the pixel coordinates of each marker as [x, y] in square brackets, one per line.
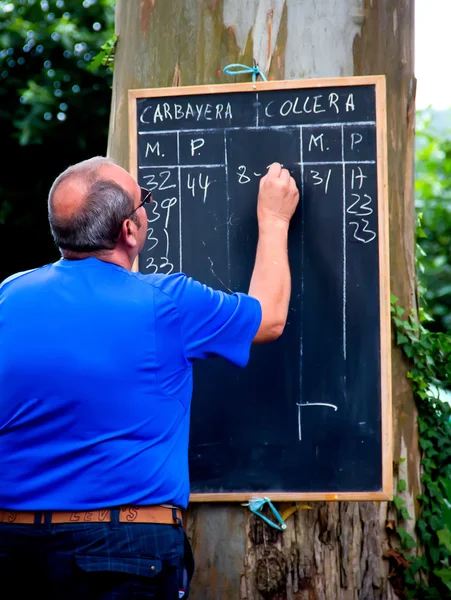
[110, 256]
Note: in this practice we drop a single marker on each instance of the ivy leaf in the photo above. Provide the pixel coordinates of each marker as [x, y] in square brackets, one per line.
[401, 339]
[402, 486]
[446, 484]
[407, 540]
[105, 56]
[447, 517]
[97, 61]
[436, 523]
[399, 311]
[398, 502]
[409, 351]
[444, 575]
[435, 553]
[417, 563]
[444, 538]
[404, 513]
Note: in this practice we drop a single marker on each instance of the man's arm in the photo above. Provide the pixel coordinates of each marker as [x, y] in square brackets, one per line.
[271, 281]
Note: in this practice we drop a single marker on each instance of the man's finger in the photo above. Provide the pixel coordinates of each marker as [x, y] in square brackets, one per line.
[274, 170]
[285, 176]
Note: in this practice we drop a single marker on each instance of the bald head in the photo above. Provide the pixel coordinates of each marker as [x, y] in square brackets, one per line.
[88, 203]
[70, 189]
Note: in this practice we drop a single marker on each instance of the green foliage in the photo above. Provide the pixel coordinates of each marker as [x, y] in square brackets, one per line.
[106, 55]
[407, 541]
[433, 202]
[47, 47]
[430, 374]
[55, 100]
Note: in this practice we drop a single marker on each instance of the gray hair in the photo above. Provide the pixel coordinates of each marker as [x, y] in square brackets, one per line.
[97, 224]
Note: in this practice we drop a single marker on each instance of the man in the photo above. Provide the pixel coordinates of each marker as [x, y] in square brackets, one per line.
[95, 390]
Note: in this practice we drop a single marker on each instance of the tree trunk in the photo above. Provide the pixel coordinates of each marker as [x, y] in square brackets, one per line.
[330, 551]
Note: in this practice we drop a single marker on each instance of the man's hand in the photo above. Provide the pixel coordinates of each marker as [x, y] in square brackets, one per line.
[278, 196]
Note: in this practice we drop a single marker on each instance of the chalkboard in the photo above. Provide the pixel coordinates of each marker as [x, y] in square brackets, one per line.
[310, 416]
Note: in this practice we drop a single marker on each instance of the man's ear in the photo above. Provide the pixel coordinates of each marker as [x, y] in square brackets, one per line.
[129, 233]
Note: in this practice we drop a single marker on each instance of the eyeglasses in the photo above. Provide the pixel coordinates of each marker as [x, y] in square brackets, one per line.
[146, 198]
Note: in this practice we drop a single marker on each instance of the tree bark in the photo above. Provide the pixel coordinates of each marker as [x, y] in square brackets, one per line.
[330, 551]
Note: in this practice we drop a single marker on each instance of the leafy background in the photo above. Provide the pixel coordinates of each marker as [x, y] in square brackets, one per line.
[433, 202]
[54, 112]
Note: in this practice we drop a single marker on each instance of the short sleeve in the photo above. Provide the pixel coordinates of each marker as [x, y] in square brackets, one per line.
[212, 322]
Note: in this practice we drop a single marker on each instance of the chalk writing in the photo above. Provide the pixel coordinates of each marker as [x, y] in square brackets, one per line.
[168, 111]
[320, 179]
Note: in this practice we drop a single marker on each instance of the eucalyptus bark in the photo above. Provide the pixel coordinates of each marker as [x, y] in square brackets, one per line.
[330, 551]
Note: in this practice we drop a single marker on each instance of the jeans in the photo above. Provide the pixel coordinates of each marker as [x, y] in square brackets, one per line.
[94, 561]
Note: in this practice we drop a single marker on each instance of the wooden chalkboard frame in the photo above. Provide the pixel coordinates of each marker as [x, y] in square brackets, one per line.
[386, 493]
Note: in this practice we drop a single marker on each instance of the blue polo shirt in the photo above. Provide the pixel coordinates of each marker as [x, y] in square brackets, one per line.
[96, 382]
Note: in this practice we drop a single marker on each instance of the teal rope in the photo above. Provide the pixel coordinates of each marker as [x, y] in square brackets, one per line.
[256, 506]
[238, 69]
